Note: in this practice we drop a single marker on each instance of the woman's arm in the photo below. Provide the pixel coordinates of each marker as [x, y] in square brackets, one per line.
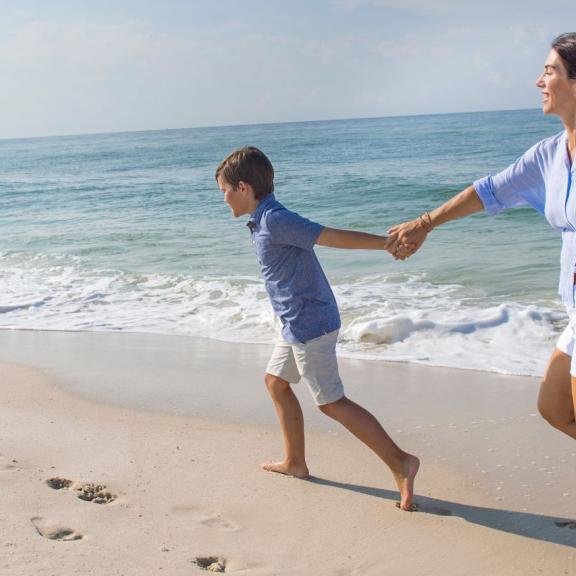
[411, 235]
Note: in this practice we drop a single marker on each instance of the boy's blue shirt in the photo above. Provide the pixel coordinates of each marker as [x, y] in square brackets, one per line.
[296, 284]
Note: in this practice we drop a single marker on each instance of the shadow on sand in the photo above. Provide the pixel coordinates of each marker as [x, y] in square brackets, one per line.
[537, 526]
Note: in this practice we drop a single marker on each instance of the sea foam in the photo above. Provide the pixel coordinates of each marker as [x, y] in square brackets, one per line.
[384, 317]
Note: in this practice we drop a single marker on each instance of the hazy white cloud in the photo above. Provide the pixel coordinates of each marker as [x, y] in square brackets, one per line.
[20, 14]
[84, 77]
[406, 4]
[458, 6]
[462, 69]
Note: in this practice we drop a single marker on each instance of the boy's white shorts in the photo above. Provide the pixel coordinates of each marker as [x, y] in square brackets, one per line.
[568, 339]
[314, 362]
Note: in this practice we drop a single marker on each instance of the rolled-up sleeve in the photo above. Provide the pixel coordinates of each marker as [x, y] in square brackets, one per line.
[520, 184]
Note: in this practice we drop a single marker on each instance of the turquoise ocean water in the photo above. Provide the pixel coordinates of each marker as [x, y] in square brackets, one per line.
[128, 232]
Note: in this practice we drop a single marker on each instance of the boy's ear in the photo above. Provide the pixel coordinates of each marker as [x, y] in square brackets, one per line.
[244, 188]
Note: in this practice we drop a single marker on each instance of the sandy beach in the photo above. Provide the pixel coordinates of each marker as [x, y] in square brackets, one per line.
[131, 454]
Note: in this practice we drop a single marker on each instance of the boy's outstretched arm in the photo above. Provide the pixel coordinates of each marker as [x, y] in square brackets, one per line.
[352, 239]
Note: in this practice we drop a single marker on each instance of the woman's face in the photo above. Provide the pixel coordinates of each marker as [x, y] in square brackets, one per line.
[558, 91]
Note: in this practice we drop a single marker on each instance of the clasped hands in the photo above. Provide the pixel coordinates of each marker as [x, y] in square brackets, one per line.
[405, 239]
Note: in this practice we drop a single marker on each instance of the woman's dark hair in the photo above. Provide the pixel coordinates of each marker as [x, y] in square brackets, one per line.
[565, 45]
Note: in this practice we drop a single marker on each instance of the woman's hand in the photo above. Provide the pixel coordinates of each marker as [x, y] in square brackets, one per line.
[409, 237]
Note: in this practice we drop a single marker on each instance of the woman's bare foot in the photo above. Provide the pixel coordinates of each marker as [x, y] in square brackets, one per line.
[288, 469]
[405, 481]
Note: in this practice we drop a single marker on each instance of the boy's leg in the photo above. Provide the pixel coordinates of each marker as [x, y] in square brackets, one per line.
[282, 370]
[292, 424]
[366, 428]
[318, 365]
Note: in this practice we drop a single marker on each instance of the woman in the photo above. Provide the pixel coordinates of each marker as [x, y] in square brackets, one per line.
[544, 178]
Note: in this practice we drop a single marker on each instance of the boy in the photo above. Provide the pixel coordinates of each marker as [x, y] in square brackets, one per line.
[305, 305]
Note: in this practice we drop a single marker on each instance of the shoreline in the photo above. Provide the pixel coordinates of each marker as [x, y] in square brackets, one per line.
[496, 487]
[344, 355]
[124, 368]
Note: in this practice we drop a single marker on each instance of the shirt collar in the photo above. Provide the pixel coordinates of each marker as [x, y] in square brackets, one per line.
[570, 163]
[257, 214]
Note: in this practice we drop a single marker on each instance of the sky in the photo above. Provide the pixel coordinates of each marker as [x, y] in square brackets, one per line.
[79, 66]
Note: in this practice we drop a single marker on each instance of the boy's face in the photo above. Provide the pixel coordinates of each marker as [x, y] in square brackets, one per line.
[237, 198]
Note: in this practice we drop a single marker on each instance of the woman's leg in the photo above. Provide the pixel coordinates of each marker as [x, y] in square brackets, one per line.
[556, 401]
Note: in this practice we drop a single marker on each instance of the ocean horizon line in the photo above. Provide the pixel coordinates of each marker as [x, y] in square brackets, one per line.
[6, 139]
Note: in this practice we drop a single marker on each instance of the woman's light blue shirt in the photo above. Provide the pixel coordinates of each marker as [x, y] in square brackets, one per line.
[543, 177]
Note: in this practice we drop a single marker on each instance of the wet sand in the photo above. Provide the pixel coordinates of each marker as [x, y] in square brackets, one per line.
[139, 454]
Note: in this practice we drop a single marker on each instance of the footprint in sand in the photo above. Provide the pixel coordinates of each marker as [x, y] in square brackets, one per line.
[210, 563]
[96, 493]
[52, 531]
[216, 521]
[7, 464]
[571, 524]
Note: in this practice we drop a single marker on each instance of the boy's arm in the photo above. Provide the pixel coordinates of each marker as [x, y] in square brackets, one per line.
[351, 239]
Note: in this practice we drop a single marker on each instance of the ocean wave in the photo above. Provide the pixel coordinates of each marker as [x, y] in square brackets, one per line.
[387, 317]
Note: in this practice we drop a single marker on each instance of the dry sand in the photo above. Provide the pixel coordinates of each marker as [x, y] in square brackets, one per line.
[92, 488]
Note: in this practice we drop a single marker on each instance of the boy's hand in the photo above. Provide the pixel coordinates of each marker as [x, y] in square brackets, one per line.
[391, 244]
[400, 250]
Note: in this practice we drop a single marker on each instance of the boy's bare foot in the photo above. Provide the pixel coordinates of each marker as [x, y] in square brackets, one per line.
[405, 481]
[288, 469]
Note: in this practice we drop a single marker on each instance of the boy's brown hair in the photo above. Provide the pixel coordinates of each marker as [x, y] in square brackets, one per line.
[251, 166]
